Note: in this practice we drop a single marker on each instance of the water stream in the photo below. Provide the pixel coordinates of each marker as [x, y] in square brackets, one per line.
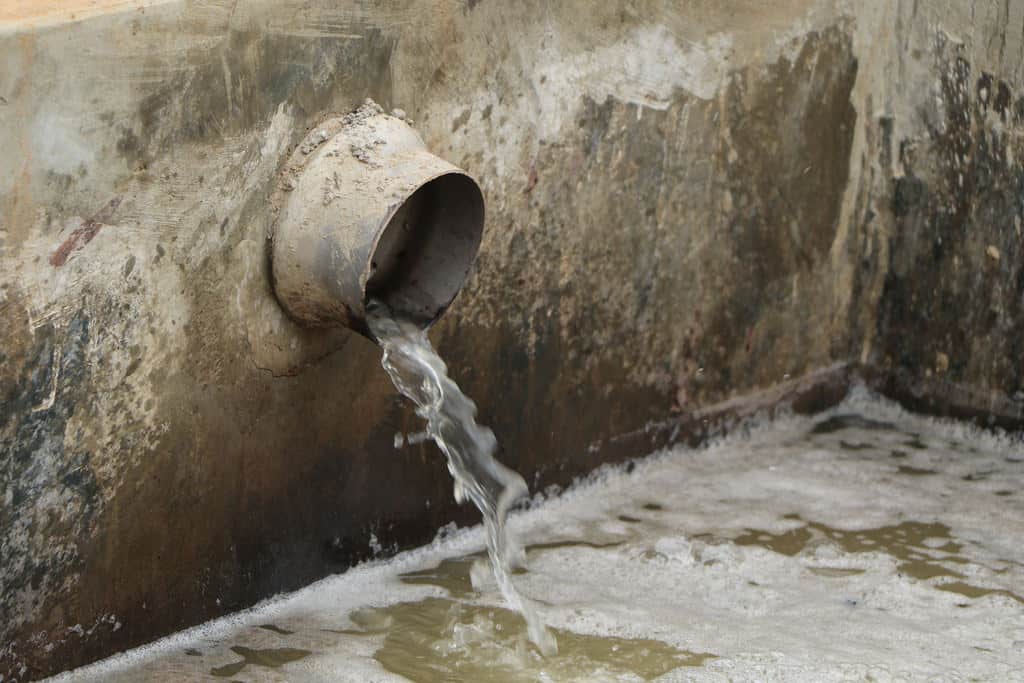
[420, 375]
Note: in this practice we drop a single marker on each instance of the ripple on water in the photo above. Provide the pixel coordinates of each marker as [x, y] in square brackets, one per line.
[439, 640]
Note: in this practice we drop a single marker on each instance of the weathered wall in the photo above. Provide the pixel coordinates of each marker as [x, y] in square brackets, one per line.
[949, 198]
[682, 208]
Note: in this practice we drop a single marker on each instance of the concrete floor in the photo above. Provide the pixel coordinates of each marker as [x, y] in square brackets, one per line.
[863, 544]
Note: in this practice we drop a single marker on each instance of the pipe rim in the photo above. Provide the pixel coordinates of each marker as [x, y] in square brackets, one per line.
[474, 223]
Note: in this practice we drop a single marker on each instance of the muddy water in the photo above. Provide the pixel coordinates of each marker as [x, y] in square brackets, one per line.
[439, 639]
[270, 658]
[806, 551]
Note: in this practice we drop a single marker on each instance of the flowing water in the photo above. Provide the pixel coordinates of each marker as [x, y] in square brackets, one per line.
[802, 549]
[422, 377]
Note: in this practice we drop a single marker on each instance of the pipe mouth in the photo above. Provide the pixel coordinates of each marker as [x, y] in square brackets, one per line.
[368, 214]
[426, 250]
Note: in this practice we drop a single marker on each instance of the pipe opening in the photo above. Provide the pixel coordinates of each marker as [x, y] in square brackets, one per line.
[425, 252]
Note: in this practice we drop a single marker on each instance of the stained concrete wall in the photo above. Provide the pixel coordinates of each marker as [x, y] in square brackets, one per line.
[948, 202]
[687, 203]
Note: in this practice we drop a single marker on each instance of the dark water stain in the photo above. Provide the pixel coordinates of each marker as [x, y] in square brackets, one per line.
[653, 507]
[850, 421]
[52, 493]
[228, 670]
[914, 471]
[1004, 492]
[557, 545]
[271, 658]
[971, 591]
[276, 629]
[835, 572]
[709, 539]
[955, 195]
[977, 476]
[895, 453]
[772, 190]
[629, 520]
[192, 652]
[787, 543]
[651, 554]
[420, 644]
[904, 541]
[916, 444]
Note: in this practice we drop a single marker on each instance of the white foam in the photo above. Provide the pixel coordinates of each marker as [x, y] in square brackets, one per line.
[679, 578]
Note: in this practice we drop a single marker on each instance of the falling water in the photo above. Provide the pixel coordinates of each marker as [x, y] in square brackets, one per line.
[420, 375]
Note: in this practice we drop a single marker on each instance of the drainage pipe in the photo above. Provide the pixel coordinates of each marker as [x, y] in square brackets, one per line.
[366, 212]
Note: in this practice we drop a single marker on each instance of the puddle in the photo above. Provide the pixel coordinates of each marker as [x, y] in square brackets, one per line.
[970, 591]
[272, 658]
[855, 446]
[835, 572]
[453, 575]
[275, 629]
[557, 545]
[787, 543]
[921, 548]
[438, 640]
[851, 421]
[914, 471]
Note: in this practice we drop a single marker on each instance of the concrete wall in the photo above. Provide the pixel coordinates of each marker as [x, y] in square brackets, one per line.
[688, 202]
[948, 202]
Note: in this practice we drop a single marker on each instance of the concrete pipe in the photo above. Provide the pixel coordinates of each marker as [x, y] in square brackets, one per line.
[365, 213]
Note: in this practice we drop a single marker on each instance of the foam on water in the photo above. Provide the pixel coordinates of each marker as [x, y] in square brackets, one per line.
[773, 554]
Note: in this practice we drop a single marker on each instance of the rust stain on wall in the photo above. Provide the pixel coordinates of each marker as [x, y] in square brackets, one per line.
[84, 234]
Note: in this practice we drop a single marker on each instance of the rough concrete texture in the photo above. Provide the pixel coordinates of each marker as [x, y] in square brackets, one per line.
[950, 197]
[687, 202]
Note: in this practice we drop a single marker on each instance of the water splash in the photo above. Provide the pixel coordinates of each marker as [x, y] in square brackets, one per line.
[421, 376]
